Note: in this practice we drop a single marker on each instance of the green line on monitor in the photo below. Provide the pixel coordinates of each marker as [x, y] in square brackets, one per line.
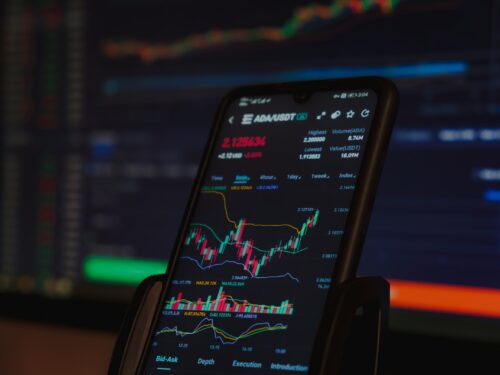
[107, 269]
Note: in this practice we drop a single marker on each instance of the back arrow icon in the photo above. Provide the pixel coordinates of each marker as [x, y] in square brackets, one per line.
[231, 119]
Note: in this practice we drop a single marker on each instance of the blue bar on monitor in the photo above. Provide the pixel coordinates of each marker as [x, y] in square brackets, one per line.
[199, 81]
[492, 195]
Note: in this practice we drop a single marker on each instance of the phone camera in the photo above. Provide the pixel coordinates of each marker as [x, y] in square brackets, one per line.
[301, 96]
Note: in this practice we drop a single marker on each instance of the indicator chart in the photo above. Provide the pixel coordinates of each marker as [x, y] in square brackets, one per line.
[257, 255]
[221, 335]
[227, 303]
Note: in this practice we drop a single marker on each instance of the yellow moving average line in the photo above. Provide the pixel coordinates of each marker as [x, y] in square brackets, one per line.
[235, 224]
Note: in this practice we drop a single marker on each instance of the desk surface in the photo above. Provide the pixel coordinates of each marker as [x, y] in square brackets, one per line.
[29, 348]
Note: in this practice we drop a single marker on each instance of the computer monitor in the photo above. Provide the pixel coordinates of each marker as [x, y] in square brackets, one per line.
[106, 106]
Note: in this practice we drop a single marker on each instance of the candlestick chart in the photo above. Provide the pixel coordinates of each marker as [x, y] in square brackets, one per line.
[213, 250]
[302, 18]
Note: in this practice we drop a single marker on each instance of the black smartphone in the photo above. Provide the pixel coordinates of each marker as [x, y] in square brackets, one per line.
[277, 215]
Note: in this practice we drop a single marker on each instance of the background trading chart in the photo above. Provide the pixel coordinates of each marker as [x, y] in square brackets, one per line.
[106, 106]
[265, 228]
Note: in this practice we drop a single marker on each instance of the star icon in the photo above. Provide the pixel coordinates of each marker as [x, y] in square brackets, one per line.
[350, 114]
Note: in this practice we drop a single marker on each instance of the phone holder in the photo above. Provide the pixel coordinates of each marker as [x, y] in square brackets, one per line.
[354, 337]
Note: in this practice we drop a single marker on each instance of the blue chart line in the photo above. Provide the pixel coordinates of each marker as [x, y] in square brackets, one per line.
[203, 267]
[224, 337]
[202, 81]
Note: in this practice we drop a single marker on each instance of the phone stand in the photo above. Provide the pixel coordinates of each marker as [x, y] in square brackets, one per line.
[354, 337]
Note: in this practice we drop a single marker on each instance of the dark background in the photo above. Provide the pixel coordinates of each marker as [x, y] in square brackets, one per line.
[99, 150]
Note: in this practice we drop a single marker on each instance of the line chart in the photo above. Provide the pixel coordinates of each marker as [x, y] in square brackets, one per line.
[235, 223]
[224, 337]
[227, 303]
[209, 266]
[301, 17]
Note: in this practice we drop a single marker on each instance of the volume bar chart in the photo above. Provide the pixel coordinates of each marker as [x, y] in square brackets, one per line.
[227, 303]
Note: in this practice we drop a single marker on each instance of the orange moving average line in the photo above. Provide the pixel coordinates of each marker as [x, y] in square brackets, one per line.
[234, 222]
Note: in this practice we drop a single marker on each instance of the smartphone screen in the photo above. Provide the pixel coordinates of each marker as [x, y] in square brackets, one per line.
[257, 258]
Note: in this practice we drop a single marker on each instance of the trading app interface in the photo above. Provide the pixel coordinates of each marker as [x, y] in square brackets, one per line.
[257, 258]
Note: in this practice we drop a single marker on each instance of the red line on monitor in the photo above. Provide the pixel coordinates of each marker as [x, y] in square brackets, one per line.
[445, 298]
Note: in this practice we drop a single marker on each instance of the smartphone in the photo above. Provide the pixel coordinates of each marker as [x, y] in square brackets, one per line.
[277, 215]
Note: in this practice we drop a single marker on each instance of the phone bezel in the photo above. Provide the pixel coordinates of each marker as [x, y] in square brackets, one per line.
[362, 202]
